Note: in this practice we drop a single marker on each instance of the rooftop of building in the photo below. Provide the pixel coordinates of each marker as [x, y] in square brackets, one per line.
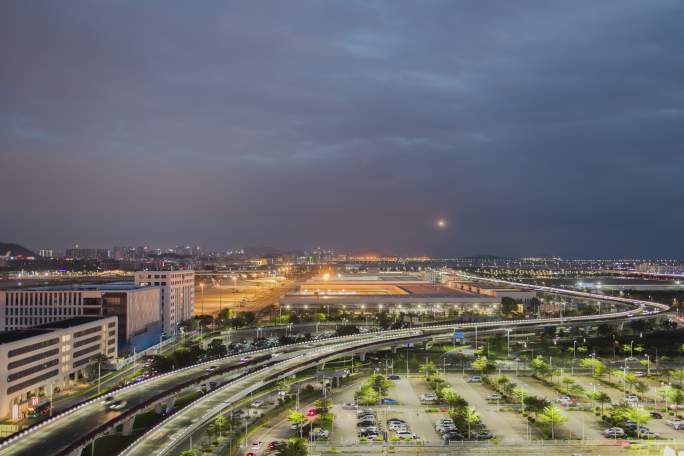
[112, 286]
[27, 333]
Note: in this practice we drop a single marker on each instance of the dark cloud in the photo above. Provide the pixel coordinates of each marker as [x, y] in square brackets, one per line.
[534, 127]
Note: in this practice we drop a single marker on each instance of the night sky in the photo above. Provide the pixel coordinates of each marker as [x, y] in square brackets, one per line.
[530, 127]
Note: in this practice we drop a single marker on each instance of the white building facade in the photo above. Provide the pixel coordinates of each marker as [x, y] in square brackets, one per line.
[177, 295]
[137, 307]
[33, 361]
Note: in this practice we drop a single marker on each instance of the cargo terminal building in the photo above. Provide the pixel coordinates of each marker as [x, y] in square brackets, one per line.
[396, 293]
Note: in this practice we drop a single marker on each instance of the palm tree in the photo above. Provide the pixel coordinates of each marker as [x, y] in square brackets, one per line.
[553, 417]
[567, 381]
[470, 416]
[292, 447]
[427, 368]
[297, 418]
[639, 415]
[482, 364]
[220, 422]
[601, 397]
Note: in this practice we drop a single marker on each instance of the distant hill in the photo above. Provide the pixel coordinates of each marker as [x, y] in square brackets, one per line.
[15, 250]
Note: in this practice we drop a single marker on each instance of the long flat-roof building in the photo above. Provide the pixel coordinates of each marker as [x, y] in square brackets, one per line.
[391, 292]
[177, 295]
[138, 307]
[34, 360]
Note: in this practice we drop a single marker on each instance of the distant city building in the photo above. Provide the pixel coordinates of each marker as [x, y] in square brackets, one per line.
[35, 360]
[45, 253]
[123, 253]
[177, 295]
[78, 253]
[138, 307]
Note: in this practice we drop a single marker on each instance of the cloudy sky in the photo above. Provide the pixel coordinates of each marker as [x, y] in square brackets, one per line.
[532, 127]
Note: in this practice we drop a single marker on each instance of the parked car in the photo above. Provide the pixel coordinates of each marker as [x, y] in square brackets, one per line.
[452, 436]
[389, 401]
[364, 411]
[631, 399]
[494, 397]
[256, 404]
[393, 377]
[676, 423]
[482, 435]
[349, 406]
[406, 435]
[656, 415]
[428, 397]
[475, 379]
[614, 432]
[319, 433]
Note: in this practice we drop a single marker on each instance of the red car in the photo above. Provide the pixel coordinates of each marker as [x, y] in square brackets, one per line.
[311, 412]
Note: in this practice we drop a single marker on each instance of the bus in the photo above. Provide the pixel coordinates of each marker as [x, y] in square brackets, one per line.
[35, 411]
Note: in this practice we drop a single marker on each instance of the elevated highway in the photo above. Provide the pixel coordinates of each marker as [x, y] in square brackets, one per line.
[68, 434]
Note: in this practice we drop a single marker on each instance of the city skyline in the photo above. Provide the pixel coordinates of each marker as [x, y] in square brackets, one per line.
[527, 128]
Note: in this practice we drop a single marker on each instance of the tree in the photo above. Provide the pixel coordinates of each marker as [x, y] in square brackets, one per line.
[292, 447]
[508, 306]
[367, 395]
[678, 374]
[601, 397]
[482, 364]
[567, 381]
[161, 364]
[552, 417]
[535, 404]
[539, 366]
[216, 348]
[189, 453]
[248, 317]
[220, 422]
[452, 398]
[597, 367]
[297, 418]
[428, 368]
[347, 330]
[639, 415]
[379, 383]
[676, 397]
[471, 417]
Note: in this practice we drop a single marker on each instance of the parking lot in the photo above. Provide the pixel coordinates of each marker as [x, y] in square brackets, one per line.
[509, 427]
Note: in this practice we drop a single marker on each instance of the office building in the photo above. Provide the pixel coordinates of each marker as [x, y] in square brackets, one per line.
[177, 295]
[138, 307]
[34, 360]
[45, 253]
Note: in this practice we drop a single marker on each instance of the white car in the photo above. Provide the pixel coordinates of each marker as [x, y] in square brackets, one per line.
[614, 432]
[494, 397]
[256, 446]
[349, 406]
[675, 423]
[256, 404]
[406, 435]
[631, 399]
[475, 379]
[428, 397]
